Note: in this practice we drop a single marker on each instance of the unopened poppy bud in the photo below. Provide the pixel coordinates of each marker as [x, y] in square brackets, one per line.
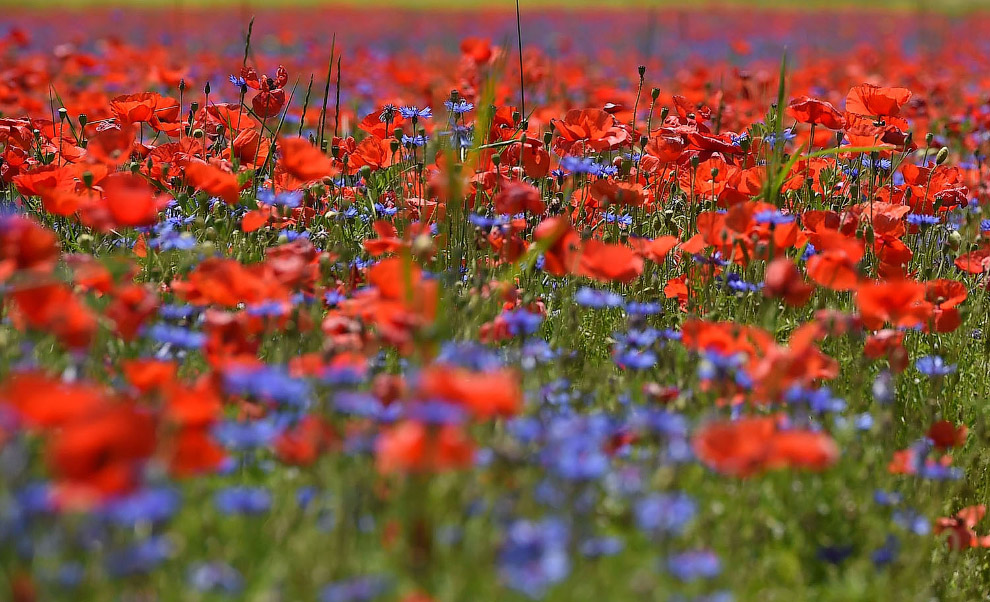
[85, 241]
[524, 124]
[394, 146]
[87, 178]
[626, 167]
[135, 167]
[397, 133]
[663, 113]
[198, 133]
[365, 171]
[547, 138]
[942, 155]
[643, 140]
[334, 151]
[929, 137]
[744, 144]
[868, 235]
[695, 161]
[655, 93]
[516, 115]
[182, 85]
[496, 160]
[642, 71]
[955, 240]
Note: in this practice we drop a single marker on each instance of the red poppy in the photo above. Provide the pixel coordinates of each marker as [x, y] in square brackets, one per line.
[485, 394]
[270, 98]
[876, 101]
[961, 528]
[945, 434]
[414, 447]
[131, 200]
[609, 262]
[783, 280]
[304, 161]
[214, 181]
[813, 111]
[519, 197]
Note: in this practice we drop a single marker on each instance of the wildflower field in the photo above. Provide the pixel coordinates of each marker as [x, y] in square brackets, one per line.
[351, 303]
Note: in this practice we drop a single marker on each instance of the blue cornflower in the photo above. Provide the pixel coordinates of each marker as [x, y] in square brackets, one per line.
[176, 336]
[461, 135]
[887, 553]
[786, 136]
[522, 322]
[918, 219]
[601, 546]
[363, 405]
[148, 505]
[623, 220]
[246, 435]
[139, 558]
[410, 112]
[985, 225]
[460, 107]
[474, 356]
[243, 500]
[636, 359]
[272, 383]
[887, 498]
[772, 216]
[912, 521]
[290, 199]
[534, 556]
[217, 577]
[636, 308]
[697, 564]
[417, 140]
[359, 589]
[665, 513]
[237, 81]
[933, 366]
[596, 298]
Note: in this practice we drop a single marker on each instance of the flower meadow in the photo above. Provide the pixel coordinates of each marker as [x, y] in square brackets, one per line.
[354, 305]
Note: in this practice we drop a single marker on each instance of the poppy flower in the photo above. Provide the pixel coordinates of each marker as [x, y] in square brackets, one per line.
[835, 266]
[817, 112]
[270, 99]
[609, 262]
[131, 200]
[961, 528]
[783, 280]
[100, 456]
[876, 101]
[595, 128]
[304, 161]
[945, 434]
[519, 197]
[25, 245]
[895, 301]
[751, 445]
[655, 250]
[412, 447]
[562, 245]
[485, 394]
[214, 181]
